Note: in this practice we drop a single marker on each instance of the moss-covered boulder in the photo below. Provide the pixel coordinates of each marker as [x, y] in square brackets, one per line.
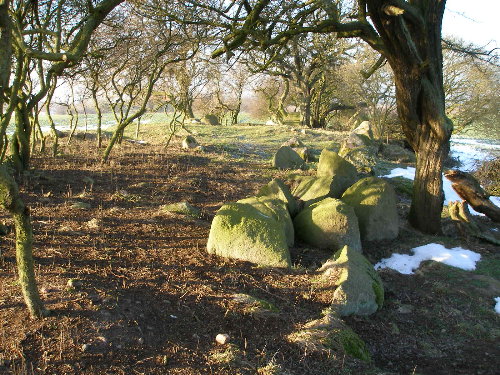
[328, 224]
[374, 202]
[360, 151]
[310, 189]
[304, 153]
[364, 129]
[332, 165]
[276, 209]
[278, 190]
[287, 158]
[358, 287]
[330, 335]
[251, 231]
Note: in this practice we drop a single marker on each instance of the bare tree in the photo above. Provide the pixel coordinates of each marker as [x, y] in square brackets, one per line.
[46, 38]
[407, 34]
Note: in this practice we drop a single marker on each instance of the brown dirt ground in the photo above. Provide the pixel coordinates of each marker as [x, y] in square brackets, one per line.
[148, 299]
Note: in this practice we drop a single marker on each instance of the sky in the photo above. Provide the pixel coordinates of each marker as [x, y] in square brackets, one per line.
[473, 21]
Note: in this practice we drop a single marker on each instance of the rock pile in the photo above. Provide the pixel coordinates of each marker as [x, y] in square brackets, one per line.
[334, 210]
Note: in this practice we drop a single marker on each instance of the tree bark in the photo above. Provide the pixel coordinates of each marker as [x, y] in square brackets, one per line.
[20, 144]
[412, 46]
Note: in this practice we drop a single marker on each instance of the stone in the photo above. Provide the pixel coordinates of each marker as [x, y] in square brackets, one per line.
[360, 151]
[304, 153]
[359, 289]
[211, 119]
[183, 208]
[310, 189]
[189, 142]
[328, 224]
[287, 158]
[278, 190]
[397, 153]
[330, 335]
[294, 143]
[332, 165]
[252, 230]
[222, 338]
[364, 129]
[374, 201]
[277, 209]
[74, 283]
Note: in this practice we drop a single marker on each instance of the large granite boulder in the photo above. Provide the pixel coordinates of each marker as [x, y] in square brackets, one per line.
[364, 129]
[256, 230]
[278, 190]
[359, 289]
[287, 158]
[276, 209]
[360, 151]
[328, 224]
[334, 176]
[310, 189]
[331, 164]
[374, 201]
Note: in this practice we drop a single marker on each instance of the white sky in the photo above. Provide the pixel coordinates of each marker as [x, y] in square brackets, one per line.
[473, 21]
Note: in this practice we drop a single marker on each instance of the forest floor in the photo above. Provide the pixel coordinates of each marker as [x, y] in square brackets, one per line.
[133, 291]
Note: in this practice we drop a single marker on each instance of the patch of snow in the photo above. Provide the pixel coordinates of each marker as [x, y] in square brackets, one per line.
[497, 306]
[408, 172]
[471, 152]
[406, 264]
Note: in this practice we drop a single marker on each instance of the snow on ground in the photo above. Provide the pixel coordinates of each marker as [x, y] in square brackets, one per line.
[406, 264]
[497, 306]
[449, 194]
[470, 152]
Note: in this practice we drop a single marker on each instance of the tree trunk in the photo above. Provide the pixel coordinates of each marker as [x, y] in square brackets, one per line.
[53, 130]
[20, 144]
[412, 46]
[6, 48]
[306, 112]
[189, 113]
[99, 118]
[10, 200]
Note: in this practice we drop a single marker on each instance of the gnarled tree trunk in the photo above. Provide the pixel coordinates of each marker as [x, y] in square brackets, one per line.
[412, 46]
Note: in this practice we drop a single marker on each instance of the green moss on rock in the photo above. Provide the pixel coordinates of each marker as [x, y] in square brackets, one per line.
[287, 158]
[328, 224]
[277, 189]
[252, 230]
[358, 288]
[374, 202]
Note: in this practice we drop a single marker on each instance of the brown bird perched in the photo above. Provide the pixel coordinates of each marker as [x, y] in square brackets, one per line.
[469, 189]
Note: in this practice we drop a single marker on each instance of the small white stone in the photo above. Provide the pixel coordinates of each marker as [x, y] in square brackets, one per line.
[222, 338]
